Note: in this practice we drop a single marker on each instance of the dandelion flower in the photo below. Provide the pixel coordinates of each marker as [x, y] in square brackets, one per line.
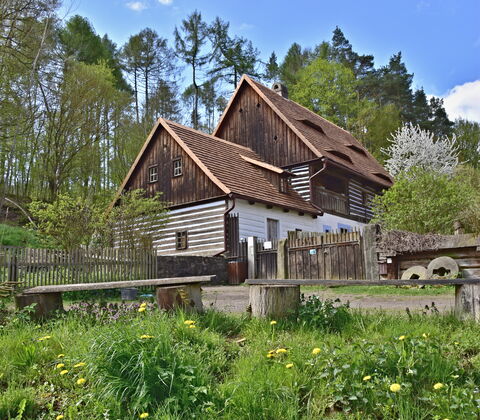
[79, 365]
[189, 322]
[395, 387]
[143, 304]
[64, 372]
[273, 322]
[270, 355]
[81, 381]
[367, 378]
[59, 356]
[289, 365]
[145, 337]
[45, 337]
[59, 417]
[60, 365]
[280, 351]
[191, 326]
[438, 386]
[143, 415]
[401, 338]
[425, 335]
[315, 351]
[142, 309]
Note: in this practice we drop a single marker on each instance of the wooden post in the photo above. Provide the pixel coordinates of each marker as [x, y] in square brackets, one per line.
[252, 256]
[282, 259]
[274, 301]
[45, 303]
[188, 297]
[467, 298]
[12, 275]
[369, 245]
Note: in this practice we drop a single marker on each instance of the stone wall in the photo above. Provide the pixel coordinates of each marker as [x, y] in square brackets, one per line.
[181, 266]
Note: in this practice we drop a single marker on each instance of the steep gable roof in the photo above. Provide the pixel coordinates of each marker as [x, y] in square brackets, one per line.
[324, 138]
[229, 166]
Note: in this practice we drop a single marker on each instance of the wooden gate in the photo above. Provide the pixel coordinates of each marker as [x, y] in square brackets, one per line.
[266, 259]
[332, 256]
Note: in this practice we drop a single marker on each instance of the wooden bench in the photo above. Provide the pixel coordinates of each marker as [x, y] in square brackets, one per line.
[170, 292]
[278, 298]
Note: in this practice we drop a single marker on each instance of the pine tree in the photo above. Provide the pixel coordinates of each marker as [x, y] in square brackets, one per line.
[272, 70]
[468, 140]
[294, 61]
[439, 122]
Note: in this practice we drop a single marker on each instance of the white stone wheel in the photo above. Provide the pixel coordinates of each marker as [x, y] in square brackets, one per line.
[417, 272]
[443, 267]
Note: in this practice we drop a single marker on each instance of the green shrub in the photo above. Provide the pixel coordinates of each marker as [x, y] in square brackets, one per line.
[18, 403]
[328, 315]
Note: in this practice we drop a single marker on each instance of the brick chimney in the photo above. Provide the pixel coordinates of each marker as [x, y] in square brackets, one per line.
[280, 89]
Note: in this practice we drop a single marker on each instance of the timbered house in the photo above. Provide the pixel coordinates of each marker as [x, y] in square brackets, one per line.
[334, 171]
[271, 166]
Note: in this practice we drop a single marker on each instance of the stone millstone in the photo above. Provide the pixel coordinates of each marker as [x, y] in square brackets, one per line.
[417, 272]
[445, 267]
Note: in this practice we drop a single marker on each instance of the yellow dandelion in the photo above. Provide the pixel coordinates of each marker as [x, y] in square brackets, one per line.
[456, 343]
[273, 322]
[143, 304]
[59, 417]
[64, 372]
[367, 378]
[281, 351]
[270, 355]
[191, 326]
[189, 322]
[315, 351]
[59, 356]
[425, 335]
[289, 365]
[395, 387]
[79, 365]
[60, 365]
[145, 337]
[143, 415]
[401, 338]
[81, 381]
[438, 386]
[45, 337]
[142, 309]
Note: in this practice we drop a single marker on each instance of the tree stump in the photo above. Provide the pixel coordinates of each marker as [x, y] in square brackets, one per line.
[46, 303]
[274, 301]
[188, 297]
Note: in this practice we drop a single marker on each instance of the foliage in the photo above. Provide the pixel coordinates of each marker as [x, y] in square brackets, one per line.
[19, 236]
[412, 147]
[468, 140]
[326, 314]
[423, 202]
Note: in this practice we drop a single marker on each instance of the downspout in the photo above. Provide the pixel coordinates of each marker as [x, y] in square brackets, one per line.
[225, 214]
[325, 162]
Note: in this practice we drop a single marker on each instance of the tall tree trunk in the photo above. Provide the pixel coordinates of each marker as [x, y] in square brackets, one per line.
[195, 102]
[136, 92]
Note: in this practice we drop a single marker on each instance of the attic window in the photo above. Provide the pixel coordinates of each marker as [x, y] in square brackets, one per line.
[181, 239]
[357, 149]
[312, 124]
[177, 167]
[283, 186]
[339, 154]
[381, 175]
[153, 174]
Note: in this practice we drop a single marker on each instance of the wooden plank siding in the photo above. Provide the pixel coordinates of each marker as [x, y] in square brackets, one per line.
[193, 185]
[251, 122]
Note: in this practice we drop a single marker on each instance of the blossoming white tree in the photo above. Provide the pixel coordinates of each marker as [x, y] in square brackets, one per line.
[412, 147]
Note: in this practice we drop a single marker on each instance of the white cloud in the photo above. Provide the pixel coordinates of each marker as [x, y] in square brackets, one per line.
[463, 101]
[165, 2]
[137, 6]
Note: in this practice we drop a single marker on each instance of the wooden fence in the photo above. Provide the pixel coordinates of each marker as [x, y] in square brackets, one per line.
[39, 267]
[266, 259]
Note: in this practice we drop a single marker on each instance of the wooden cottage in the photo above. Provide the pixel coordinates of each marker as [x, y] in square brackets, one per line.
[271, 166]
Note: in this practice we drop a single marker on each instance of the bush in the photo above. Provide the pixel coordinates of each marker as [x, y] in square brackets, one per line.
[328, 315]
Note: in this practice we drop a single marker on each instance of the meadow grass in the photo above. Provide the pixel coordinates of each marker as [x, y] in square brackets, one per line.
[384, 290]
[214, 365]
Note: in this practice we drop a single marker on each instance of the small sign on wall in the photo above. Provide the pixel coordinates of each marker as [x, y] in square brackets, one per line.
[312, 251]
[267, 245]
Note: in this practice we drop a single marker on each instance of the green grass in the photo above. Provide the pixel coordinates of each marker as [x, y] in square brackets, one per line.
[18, 236]
[384, 290]
[220, 368]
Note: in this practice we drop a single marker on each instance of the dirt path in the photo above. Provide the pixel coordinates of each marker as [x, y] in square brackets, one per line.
[235, 299]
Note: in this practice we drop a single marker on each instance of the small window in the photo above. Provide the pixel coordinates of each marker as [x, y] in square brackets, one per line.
[181, 239]
[283, 188]
[344, 228]
[327, 228]
[153, 174]
[177, 167]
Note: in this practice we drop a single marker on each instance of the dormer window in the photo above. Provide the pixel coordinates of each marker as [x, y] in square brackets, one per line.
[177, 167]
[153, 174]
[283, 187]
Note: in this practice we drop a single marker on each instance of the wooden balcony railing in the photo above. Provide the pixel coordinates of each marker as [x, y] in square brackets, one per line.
[330, 201]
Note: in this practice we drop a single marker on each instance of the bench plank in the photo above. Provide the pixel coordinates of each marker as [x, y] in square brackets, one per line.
[336, 283]
[118, 284]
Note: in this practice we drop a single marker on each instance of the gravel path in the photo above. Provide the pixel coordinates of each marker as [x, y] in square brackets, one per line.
[235, 299]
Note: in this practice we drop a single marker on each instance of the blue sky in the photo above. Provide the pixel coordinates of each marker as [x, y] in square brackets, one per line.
[439, 39]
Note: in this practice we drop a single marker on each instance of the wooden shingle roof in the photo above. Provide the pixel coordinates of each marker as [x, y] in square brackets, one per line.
[321, 136]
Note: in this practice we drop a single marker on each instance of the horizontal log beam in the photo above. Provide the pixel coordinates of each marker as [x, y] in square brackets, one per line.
[172, 281]
[336, 283]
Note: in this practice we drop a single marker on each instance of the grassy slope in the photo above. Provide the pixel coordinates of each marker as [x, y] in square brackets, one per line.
[385, 290]
[180, 372]
[18, 236]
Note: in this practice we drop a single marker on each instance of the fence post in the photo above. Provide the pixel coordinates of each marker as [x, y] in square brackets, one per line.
[369, 244]
[12, 268]
[252, 256]
[282, 259]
